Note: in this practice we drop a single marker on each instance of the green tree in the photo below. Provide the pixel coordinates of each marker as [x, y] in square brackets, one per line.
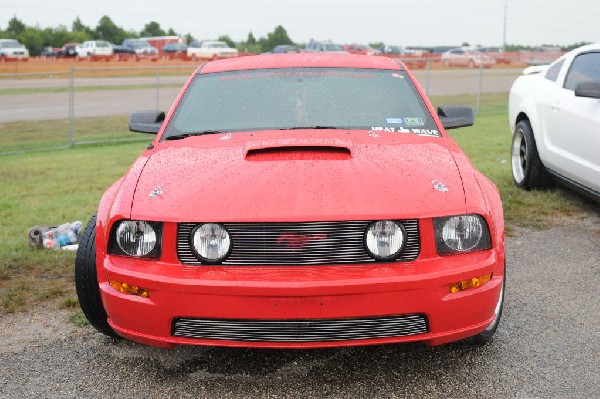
[250, 41]
[78, 26]
[171, 32]
[189, 38]
[227, 39]
[152, 28]
[15, 27]
[33, 39]
[107, 30]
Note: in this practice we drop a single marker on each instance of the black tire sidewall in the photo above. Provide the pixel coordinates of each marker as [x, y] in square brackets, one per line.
[86, 281]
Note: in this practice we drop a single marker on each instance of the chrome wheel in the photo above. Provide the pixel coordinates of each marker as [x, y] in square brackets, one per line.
[519, 156]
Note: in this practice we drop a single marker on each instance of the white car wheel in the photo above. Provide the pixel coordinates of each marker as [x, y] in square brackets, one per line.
[527, 168]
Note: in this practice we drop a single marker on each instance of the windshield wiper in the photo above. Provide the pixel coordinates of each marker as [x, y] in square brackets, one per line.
[190, 134]
[310, 127]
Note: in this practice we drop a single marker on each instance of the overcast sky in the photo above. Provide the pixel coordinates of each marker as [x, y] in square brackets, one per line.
[401, 22]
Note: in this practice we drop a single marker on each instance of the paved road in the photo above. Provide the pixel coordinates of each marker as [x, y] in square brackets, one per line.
[547, 346]
[45, 106]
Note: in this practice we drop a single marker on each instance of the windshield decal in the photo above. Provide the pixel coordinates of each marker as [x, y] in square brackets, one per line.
[426, 132]
[397, 121]
[389, 129]
[414, 121]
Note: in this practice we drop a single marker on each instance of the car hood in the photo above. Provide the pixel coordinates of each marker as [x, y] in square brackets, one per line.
[235, 177]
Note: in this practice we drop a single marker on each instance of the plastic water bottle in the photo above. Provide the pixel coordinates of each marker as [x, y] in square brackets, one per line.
[76, 226]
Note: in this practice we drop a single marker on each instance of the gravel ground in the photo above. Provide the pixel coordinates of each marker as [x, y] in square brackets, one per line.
[547, 346]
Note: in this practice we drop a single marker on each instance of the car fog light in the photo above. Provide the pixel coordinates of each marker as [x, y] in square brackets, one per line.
[129, 289]
[136, 238]
[211, 242]
[385, 239]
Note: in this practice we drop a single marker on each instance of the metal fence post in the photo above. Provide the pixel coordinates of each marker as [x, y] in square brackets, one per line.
[158, 88]
[72, 107]
[427, 76]
[479, 88]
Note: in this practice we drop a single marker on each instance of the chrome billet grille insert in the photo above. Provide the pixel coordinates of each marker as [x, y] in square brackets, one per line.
[303, 243]
[310, 330]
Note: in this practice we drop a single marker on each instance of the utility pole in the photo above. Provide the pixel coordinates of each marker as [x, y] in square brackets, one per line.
[504, 31]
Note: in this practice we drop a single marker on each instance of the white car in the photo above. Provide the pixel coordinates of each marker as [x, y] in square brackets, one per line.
[94, 49]
[554, 113]
[466, 57]
[11, 49]
[210, 50]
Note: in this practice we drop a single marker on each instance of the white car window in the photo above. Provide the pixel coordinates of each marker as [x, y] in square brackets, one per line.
[552, 72]
[584, 68]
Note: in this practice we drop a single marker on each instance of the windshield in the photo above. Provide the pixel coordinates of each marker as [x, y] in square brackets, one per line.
[332, 47]
[296, 98]
[216, 45]
[11, 44]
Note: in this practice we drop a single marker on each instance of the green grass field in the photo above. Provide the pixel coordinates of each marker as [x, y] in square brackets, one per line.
[54, 187]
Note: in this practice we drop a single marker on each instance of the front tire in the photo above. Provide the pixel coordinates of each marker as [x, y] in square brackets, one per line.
[527, 168]
[86, 281]
[486, 335]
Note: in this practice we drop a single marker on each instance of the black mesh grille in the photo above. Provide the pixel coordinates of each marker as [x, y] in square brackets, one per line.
[313, 330]
[307, 243]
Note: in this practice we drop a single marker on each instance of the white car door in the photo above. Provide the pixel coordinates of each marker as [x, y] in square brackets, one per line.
[573, 125]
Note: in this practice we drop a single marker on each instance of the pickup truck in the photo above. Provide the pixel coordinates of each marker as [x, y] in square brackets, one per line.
[211, 50]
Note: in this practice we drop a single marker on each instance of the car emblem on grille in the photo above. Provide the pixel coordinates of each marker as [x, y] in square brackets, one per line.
[294, 240]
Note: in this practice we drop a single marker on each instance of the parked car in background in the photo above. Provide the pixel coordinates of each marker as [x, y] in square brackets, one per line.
[323, 47]
[554, 115]
[413, 58]
[210, 50]
[12, 50]
[68, 50]
[285, 48]
[122, 53]
[542, 55]
[174, 51]
[359, 49]
[296, 201]
[94, 50]
[142, 49]
[466, 57]
[498, 54]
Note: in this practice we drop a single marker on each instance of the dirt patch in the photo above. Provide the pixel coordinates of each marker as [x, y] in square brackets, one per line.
[36, 326]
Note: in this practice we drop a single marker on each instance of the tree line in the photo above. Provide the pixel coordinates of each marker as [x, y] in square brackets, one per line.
[36, 38]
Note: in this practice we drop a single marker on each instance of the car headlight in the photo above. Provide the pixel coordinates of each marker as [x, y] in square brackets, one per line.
[459, 234]
[136, 238]
[385, 239]
[211, 242]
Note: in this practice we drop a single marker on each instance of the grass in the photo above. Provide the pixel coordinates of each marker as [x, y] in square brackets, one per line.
[39, 135]
[53, 187]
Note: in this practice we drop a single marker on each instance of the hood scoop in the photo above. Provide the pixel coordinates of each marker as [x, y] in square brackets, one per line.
[299, 153]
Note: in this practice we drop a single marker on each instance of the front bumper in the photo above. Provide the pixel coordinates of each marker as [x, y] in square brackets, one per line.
[324, 294]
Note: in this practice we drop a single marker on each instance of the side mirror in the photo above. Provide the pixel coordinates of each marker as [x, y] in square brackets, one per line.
[589, 89]
[146, 121]
[455, 116]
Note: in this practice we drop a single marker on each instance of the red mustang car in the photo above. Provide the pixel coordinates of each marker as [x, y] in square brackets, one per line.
[296, 201]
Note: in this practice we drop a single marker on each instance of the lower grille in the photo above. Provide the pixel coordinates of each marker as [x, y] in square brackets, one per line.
[303, 243]
[311, 330]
